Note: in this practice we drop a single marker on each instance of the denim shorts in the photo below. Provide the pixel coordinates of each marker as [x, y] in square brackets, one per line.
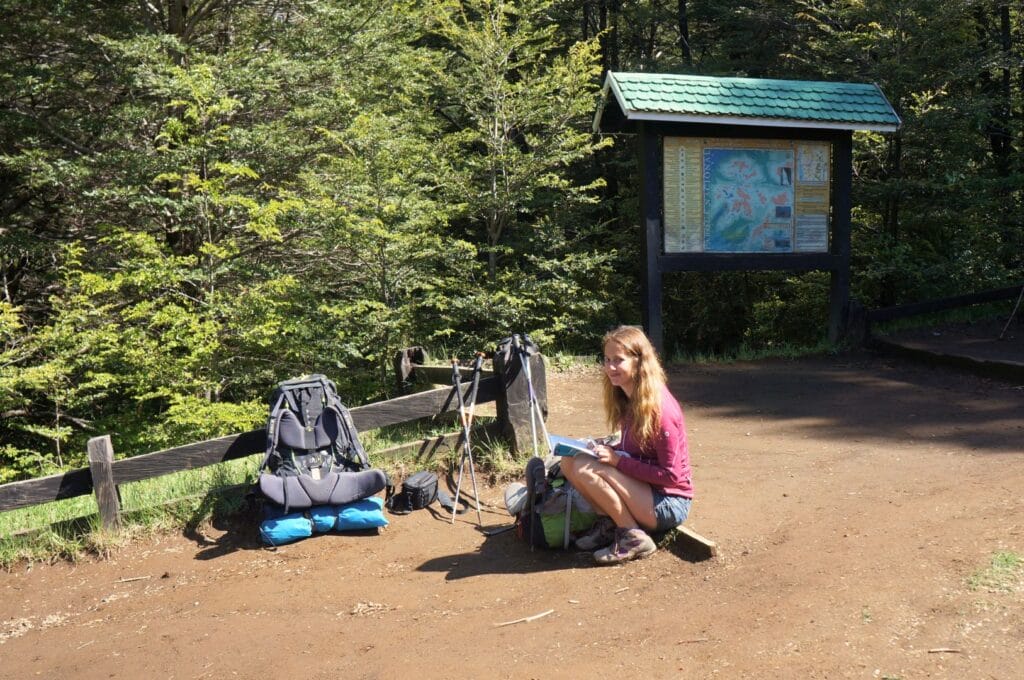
[670, 511]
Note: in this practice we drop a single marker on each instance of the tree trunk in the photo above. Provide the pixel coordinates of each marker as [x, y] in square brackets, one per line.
[613, 57]
[1001, 145]
[602, 24]
[891, 212]
[177, 17]
[684, 34]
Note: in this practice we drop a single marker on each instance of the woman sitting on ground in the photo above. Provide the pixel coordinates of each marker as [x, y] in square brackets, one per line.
[648, 490]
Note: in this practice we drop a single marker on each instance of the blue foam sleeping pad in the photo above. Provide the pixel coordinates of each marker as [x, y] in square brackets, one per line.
[279, 528]
[365, 514]
[285, 529]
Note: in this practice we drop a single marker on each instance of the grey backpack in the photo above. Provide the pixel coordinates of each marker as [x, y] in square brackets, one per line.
[313, 454]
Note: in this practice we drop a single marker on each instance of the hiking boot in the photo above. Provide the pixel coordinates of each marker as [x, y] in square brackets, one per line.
[536, 480]
[600, 535]
[629, 544]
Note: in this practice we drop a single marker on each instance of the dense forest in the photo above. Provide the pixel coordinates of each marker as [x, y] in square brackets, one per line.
[201, 197]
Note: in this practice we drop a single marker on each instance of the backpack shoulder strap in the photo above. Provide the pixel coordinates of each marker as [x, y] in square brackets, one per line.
[446, 502]
[352, 447]
[273, 429]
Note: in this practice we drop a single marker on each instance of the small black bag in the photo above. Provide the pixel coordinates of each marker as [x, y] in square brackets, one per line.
[418, 491]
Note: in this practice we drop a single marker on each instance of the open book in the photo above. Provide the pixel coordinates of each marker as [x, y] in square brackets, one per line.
[567, 446]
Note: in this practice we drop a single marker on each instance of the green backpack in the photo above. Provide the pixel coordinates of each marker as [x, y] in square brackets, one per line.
[555, 512]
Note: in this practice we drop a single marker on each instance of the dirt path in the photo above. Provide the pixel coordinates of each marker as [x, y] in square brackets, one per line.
[852, 500]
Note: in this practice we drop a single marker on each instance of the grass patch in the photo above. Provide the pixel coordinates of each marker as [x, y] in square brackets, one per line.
[138, 497]
[497, 462]
[34, 517]
[492, 457]
[70, 528]
[1002, 575]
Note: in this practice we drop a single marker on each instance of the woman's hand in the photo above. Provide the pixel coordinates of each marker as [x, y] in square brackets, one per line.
[606, 454]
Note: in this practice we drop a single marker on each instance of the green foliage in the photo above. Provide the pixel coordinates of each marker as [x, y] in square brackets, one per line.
[518, 96]
[796, 312]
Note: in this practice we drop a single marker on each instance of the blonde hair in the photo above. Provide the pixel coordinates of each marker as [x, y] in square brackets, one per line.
[643, 409]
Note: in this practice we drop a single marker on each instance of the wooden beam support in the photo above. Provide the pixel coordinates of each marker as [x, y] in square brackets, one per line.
[651, 236]
[839, 285]
[101, 467]
[513, 400]
[442, 375]
[403, 363]
[720, 262]
[693, 539]
[420, 405]
[190, 456]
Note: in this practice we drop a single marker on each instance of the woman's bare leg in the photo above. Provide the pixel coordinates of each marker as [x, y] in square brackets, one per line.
[629, 502]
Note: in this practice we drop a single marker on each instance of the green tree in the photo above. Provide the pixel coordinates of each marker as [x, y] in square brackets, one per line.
[519, 101]
[518, 98]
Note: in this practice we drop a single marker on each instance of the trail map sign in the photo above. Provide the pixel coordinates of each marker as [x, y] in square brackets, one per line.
[746, 196]
[742, 174]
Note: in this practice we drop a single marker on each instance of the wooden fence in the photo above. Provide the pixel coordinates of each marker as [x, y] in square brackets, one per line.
[940, 305]
[998, 368]
[506, 386]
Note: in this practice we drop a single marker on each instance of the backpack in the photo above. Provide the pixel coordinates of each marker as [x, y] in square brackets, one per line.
[554, 512]
[313, 454]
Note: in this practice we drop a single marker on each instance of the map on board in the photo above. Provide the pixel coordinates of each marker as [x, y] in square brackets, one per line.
[748, 200]
[760, 196]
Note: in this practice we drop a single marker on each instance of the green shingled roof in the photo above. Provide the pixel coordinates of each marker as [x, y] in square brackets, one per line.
[748, 101]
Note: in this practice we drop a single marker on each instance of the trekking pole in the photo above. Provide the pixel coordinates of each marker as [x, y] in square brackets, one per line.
[1012, 314]
[467, 452]
[478, 364]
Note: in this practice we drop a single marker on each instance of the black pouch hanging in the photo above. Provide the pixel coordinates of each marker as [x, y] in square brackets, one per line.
[418, 491]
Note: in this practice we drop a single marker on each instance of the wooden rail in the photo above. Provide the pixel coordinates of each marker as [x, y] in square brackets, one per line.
[505, 387]
[942, 304]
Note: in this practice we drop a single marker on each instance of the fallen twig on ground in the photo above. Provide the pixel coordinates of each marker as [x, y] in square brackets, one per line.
[525, 619]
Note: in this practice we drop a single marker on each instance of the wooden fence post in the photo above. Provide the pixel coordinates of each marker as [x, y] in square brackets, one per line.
[403, 364]
[513, 400]
[101, 466]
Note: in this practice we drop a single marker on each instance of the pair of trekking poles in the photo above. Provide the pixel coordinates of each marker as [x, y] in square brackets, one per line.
[466, 418]
[520, 346]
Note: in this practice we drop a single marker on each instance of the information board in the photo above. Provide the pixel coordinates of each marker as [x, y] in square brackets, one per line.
[746, 195]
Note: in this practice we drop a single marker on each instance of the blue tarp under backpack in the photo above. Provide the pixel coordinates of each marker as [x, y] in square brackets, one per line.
[316, 476]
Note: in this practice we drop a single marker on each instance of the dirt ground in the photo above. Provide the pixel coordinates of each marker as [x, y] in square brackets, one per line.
[853, 499]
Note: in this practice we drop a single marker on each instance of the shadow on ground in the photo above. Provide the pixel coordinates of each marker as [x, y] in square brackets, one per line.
[506, 554]
[897, 399]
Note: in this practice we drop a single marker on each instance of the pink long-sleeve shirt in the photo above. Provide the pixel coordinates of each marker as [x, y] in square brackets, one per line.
[665, 463]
